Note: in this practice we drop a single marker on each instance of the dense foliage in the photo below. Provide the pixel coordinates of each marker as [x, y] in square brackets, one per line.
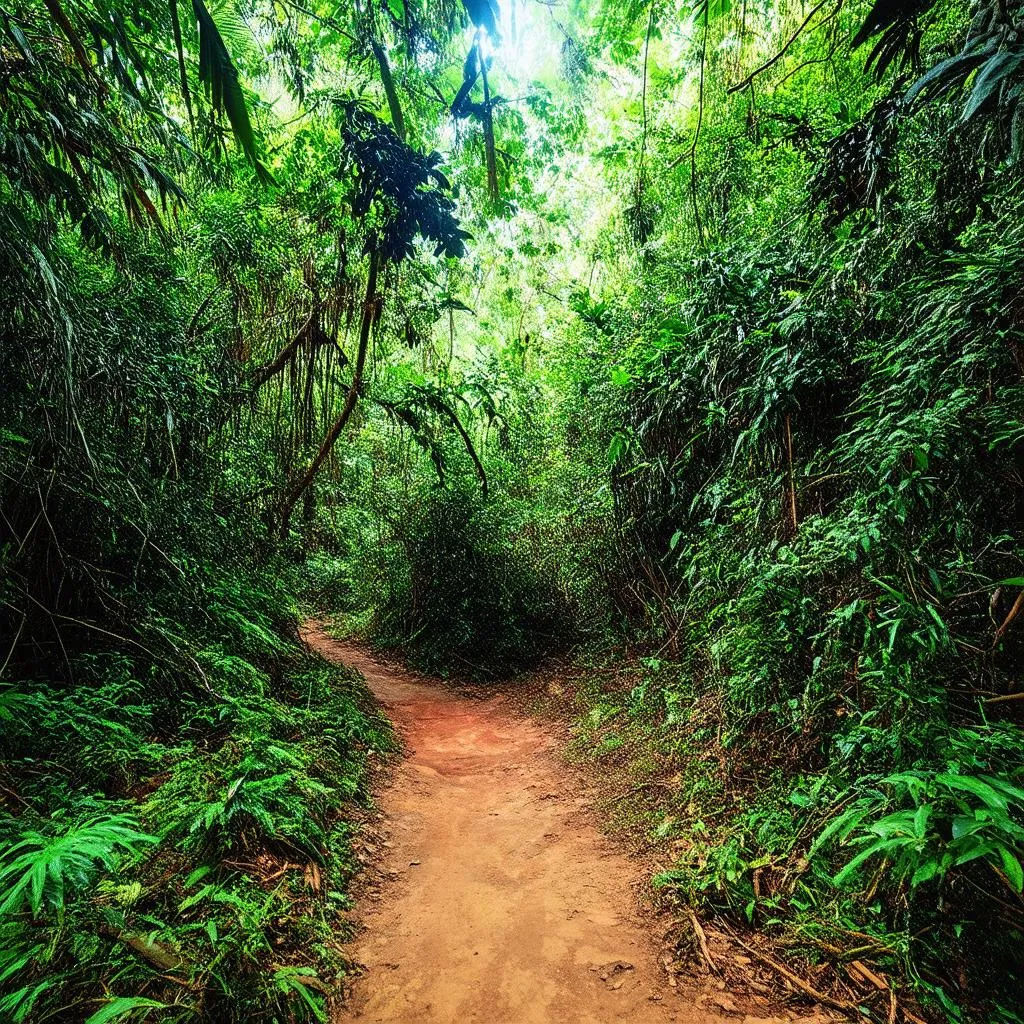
[684, 337]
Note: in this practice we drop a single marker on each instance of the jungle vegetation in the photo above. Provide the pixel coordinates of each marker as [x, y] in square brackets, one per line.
[680, 335]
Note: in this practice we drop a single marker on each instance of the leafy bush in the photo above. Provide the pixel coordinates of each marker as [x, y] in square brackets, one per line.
[944, 829]
[458, 588]
[807, 378]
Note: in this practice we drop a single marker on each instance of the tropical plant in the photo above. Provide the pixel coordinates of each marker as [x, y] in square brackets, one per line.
[40, 871]
[955, 820]
[683, 339]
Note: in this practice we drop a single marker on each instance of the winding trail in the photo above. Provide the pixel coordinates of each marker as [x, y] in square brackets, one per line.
[508, 906]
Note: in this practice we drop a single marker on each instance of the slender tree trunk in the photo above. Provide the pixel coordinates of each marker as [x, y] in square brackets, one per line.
[471, 451]
[350, 399]
[488, 120]
[451, 337]
[696, 135]
[792, 481]
[388, 81]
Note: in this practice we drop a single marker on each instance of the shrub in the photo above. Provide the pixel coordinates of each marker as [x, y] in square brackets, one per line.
[460, 590]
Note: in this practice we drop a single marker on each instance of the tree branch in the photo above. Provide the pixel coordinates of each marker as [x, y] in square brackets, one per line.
[739, 86]
[278, 363]
[351, 398]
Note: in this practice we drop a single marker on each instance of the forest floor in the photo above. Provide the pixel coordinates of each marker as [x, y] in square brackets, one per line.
[497, 899]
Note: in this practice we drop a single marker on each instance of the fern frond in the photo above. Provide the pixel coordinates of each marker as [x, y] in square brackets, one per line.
[40, 868]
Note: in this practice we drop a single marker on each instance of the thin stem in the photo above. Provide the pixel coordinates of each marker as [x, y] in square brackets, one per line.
[782, 53]
[643, 97]
[696, 134]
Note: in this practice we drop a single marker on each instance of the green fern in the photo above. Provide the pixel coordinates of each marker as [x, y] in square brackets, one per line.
[41, 868]
[14, 704]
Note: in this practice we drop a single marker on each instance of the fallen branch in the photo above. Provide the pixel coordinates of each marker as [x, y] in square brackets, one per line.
[280, 872]
[1008, 621]
[796, 981]
[702, 942]
[869, 975]
[1006, 699]
[159, 955]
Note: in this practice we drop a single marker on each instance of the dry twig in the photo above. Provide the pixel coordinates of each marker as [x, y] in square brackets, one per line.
[702, 942]
[796, 981]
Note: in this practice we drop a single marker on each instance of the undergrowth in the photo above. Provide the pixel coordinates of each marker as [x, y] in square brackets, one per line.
[893, 869]
[184, 852]
[451, 582]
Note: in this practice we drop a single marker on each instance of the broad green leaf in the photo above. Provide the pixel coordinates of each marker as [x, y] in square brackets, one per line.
[1013, 869]
[125, 1006]
[974, 785]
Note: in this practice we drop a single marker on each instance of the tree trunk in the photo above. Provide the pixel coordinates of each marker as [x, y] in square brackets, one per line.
[388, 81]
[792, 481]
[488, 120]
[350, 399]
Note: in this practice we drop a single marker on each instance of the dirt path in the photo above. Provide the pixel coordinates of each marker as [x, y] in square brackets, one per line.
[509, 907]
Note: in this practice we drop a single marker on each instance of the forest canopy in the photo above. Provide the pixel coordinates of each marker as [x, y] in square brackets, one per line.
[681, 341]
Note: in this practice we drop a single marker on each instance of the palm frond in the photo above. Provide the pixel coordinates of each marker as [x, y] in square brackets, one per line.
[220, 79]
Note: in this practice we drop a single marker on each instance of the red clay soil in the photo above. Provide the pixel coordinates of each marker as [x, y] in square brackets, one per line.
[508, 905]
